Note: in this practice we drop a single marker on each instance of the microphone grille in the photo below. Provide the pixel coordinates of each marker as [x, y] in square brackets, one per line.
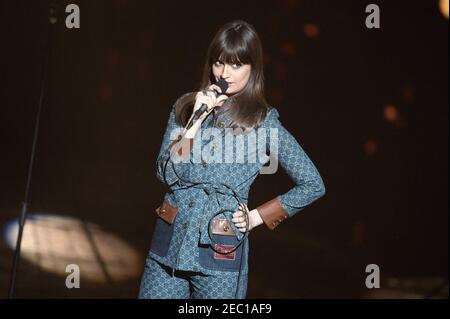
[223, 85]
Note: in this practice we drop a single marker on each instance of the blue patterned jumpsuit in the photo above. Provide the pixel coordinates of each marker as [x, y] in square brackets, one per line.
[181, 262]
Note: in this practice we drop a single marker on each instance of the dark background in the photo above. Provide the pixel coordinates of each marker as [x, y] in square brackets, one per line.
[110, 86]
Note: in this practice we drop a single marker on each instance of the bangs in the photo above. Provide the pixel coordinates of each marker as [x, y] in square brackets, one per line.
[232, 53]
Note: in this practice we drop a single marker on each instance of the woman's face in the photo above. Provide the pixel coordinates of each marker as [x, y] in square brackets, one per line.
[236, 75]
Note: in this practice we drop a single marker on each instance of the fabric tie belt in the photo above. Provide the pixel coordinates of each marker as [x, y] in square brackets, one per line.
[220, 199]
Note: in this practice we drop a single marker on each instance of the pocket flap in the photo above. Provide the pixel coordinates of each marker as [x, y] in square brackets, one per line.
[220, 226]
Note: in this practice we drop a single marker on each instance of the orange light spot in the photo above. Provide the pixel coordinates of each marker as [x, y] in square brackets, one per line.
[390, 113]
[311, 30]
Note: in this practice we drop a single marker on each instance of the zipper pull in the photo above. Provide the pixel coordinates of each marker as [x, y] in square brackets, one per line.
[173, 272]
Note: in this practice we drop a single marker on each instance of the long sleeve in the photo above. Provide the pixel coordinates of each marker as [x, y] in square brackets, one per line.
[309, 185]
[171, 136]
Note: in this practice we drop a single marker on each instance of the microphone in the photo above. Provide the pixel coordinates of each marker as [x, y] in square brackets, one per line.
[203, 108]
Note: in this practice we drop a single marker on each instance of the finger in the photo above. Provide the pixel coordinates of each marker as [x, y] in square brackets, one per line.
[211, 100]
[241, 225]
[203, 93]
[221, 98]
[215, 87]
[207, 100]
[238, 214]
[238, 219]
[199, 99]
[211, 94]
[242, 230]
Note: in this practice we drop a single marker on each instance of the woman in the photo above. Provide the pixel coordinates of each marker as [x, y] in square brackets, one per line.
[200, 243]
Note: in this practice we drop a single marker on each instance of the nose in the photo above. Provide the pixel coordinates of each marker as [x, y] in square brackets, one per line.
[225, 70]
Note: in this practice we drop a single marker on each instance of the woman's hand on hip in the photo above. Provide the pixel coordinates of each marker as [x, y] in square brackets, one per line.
[254, 219]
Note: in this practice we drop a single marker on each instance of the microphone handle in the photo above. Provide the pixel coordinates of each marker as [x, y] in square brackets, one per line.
[200, 111]
[197, 115]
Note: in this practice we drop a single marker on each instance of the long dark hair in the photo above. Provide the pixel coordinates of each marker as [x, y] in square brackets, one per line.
[235, 42]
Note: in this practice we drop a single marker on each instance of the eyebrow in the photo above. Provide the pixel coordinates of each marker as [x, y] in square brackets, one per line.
[237, 62]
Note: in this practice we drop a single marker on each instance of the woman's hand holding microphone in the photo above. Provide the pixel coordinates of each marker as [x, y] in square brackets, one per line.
[209, 98]
[183, 145]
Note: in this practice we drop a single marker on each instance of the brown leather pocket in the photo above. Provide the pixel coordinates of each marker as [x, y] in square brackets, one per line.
[167, 212]
[220, 226]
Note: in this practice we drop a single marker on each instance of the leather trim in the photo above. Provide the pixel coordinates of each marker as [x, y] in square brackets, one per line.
[272, 213]
[222, 252]
[220, 226]
[185, 144]
[167, 212]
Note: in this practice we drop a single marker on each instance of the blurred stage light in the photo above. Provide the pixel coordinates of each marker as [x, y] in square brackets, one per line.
[52, 242]
[290, 4]
[288, 48]
[443, 6]
[408, 94]
[370, 147]
[390, 113]
[311, 30]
